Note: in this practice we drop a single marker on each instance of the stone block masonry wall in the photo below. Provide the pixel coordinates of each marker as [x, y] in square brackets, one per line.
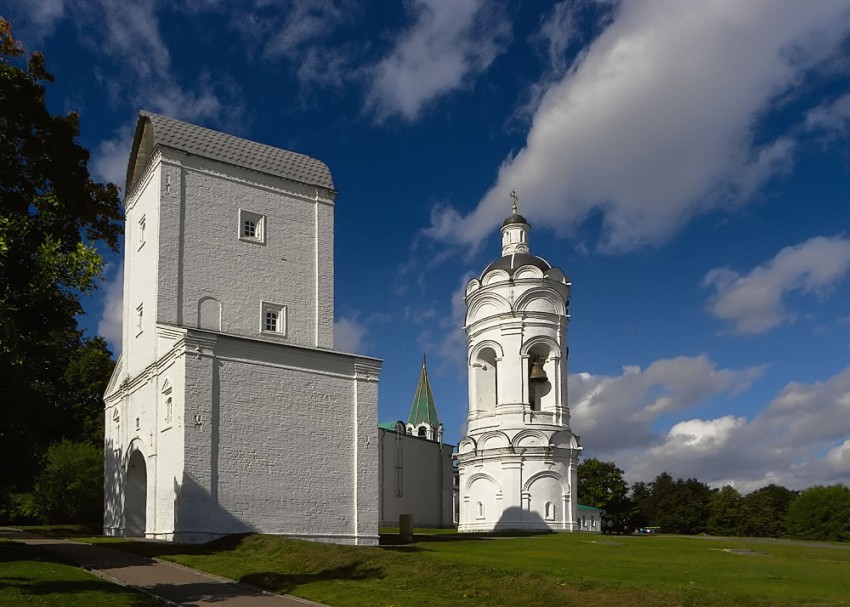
[364, 418]
[283, 450]
[204, 256]
[325, 278]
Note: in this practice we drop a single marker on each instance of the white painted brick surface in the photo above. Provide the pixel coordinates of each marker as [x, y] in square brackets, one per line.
[269, 433]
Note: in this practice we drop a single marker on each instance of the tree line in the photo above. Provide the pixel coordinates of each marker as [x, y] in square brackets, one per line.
[689, 506]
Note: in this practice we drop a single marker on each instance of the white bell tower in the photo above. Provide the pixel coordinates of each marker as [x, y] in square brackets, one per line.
[517, 464]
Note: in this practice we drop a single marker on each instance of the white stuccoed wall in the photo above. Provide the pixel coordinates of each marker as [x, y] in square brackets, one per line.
[270, 433]
[416, 479]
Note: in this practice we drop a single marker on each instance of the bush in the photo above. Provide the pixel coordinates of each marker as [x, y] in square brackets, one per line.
[69, 489]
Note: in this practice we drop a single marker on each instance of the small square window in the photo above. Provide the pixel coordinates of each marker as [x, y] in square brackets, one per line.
[273, 319]
[251, 226]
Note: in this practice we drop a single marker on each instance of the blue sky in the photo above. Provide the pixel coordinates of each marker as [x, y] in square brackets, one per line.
[685, 163]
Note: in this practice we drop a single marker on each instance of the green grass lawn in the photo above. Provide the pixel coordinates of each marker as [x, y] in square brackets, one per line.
[532, 571]
[29, 576]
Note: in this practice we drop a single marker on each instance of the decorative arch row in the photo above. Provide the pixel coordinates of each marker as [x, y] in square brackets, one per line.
[538, 299]
[498, 439]
[523, 272]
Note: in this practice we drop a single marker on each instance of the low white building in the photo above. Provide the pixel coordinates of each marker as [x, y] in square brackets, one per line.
[416, 472]
[517, 463]
[589, 518]
[229, 410]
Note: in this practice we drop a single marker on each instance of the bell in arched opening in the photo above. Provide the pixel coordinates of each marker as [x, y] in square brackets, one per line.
[538, 373]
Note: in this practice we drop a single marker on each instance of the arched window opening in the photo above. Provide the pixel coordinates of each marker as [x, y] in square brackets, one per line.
[486, 380]
[422, 432]
[539, 380]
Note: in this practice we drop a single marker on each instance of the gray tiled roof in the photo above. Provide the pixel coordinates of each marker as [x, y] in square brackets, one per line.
[207, 143]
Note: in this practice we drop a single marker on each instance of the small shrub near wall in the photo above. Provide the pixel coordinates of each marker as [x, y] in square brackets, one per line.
[69, 488]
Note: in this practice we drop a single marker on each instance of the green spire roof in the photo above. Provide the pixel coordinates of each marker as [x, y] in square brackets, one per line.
[423, 408]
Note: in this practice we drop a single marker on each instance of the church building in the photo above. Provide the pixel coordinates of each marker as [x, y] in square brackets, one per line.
[229, 410]
[416, 468]
[518, 461]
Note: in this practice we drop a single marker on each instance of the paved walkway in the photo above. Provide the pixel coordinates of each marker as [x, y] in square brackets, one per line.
[172, 584]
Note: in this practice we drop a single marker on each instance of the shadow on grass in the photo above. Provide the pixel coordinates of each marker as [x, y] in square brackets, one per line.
[395, 541]
[68, 588]
[38, 573]
[287, 583]
[156, 548]
[64, 531]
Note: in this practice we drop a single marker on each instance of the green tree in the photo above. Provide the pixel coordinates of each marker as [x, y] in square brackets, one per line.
[69, 489]
[763, 511]
[677, 506]
[820, 513]
[640, 496]
[601, 485]
[53, 215]
[724, 511]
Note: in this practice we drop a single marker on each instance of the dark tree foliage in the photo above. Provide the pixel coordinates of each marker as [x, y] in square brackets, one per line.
[69, 489]
[52, 215]
[601, 485]
[820, 513]
[763, 512]
[724, 516]
[677, 506]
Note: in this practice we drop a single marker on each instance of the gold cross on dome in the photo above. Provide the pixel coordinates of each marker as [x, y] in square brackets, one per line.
[514, 198]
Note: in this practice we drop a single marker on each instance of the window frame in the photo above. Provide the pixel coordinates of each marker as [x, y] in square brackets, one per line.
[280, 329]
[259, 221]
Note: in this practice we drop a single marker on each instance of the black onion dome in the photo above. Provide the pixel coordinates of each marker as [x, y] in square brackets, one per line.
[512, 263]
[514, 218]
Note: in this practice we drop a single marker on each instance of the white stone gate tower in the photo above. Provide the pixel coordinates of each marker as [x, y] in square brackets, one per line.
[518, 461]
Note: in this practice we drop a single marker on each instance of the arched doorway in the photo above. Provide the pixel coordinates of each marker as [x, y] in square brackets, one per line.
[136, 498]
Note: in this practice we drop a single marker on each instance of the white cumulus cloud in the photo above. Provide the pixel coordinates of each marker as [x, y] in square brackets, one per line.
[110, 324]
[349, 335]
[615, 413]
[655, 123]
[832, 117]
[753, 303]
[799, 439]
[449, 43]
